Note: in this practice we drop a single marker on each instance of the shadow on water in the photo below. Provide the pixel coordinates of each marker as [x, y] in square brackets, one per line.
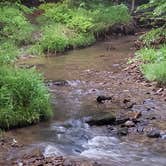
[67, 133]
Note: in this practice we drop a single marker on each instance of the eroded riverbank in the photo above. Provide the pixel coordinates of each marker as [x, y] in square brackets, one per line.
[75, 80]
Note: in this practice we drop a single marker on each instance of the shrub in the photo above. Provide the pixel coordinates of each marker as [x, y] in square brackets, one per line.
[155, 72]
[24, 100]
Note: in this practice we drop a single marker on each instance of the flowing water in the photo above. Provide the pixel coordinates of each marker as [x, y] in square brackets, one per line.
[67, 133]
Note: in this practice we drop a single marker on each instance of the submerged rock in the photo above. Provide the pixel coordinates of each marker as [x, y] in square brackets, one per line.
[154, 133]
[122, 131]
[102, 119]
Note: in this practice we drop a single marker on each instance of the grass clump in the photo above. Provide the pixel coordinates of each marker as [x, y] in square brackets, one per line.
[8, 52]
[155, 72]
[152, 55]
[24, 99]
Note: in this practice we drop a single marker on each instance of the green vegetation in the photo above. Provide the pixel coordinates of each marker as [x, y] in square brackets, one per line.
[155, 72]
[65, 26]
[154, 37]
[24, 98]
[153, 55]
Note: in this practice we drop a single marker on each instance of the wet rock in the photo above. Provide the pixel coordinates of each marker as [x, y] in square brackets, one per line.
[57, 83]
[154, 133]
[60, 83]
[100, 99]
[121, 120]
[122, 131]
[102, 119]
[129, 123]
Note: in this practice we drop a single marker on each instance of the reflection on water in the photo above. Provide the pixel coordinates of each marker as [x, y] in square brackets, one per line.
[67, 133]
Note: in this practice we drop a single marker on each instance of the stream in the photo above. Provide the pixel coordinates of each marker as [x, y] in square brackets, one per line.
[84, 75]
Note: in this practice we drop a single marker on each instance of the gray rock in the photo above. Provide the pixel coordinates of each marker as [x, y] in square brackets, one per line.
[102, 119]
[154, 133]
[123, 131]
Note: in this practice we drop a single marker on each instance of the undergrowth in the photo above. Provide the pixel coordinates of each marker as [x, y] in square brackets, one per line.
[68, 26]
[24, 99]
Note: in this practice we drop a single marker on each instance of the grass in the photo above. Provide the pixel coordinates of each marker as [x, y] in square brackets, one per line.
[8, 52]
[152, 55]
[155, 72]
[64, 26]
[154, 59]
[14, 25]
[24, 99]
[155, 35]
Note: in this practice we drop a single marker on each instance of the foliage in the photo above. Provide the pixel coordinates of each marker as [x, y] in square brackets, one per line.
[158, 8]
[13, 25]
[23, 98]
[8, 52]
[151, 55]
[153, 35]
[57, 37]
[155, 72]
[71, 27]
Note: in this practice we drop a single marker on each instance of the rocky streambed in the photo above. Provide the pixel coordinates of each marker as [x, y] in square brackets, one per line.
[129, 129]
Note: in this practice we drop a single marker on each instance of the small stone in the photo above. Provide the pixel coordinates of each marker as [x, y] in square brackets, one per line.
[154, 134]
[20, 164]
[160, 90]
[129, 123]
[123, 131]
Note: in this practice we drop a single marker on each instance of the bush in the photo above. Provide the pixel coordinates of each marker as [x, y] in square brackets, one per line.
[155, 72]
[24, 100]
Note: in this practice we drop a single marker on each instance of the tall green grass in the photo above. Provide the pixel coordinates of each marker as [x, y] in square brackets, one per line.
[154, 59]
[24, 99]
[155, 72]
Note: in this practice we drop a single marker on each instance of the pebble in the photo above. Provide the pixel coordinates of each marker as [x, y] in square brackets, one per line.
[154, 134]
[129, 123]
